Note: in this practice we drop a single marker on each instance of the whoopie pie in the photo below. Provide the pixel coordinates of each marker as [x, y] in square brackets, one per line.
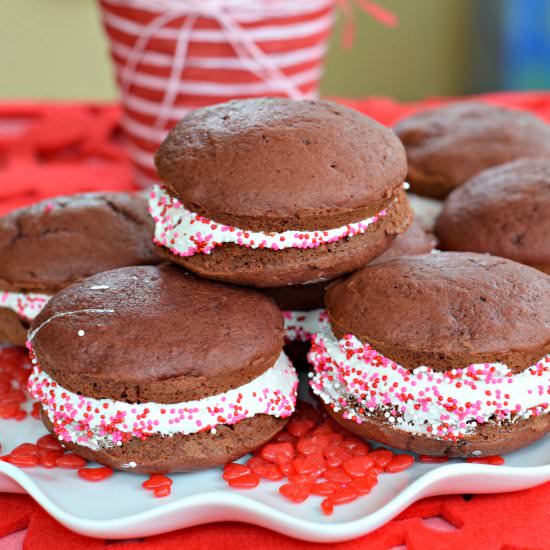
[53, 243]
[504, 211]
[271, 192]
[152, 370]
[448, 145]
[440, 354]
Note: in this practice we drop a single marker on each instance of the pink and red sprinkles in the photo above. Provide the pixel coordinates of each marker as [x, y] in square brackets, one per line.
[355, 379]
[186, 233]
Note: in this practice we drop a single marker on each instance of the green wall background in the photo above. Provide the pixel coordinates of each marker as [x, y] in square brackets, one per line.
[56, 49]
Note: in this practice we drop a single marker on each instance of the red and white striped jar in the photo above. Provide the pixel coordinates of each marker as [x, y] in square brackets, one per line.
[172, 56]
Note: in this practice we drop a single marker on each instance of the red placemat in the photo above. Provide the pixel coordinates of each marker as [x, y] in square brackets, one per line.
[57, 148]
[515, 521]
[48, 149]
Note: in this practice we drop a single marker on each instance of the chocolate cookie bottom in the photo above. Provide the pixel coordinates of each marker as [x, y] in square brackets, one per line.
[488, 439]
[182, 453]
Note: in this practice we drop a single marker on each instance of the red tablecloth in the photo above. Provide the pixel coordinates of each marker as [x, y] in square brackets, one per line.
[50, 149]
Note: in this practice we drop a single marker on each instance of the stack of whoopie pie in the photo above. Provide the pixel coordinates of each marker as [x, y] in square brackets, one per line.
[302, 205]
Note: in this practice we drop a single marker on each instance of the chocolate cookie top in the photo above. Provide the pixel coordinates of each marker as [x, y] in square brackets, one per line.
[446, 310]
[504, 211]
[448, 145]
[274, 163]
[55, 242]
[155, 334]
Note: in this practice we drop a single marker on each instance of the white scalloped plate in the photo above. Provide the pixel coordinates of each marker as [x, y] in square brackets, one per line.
[120, 508]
